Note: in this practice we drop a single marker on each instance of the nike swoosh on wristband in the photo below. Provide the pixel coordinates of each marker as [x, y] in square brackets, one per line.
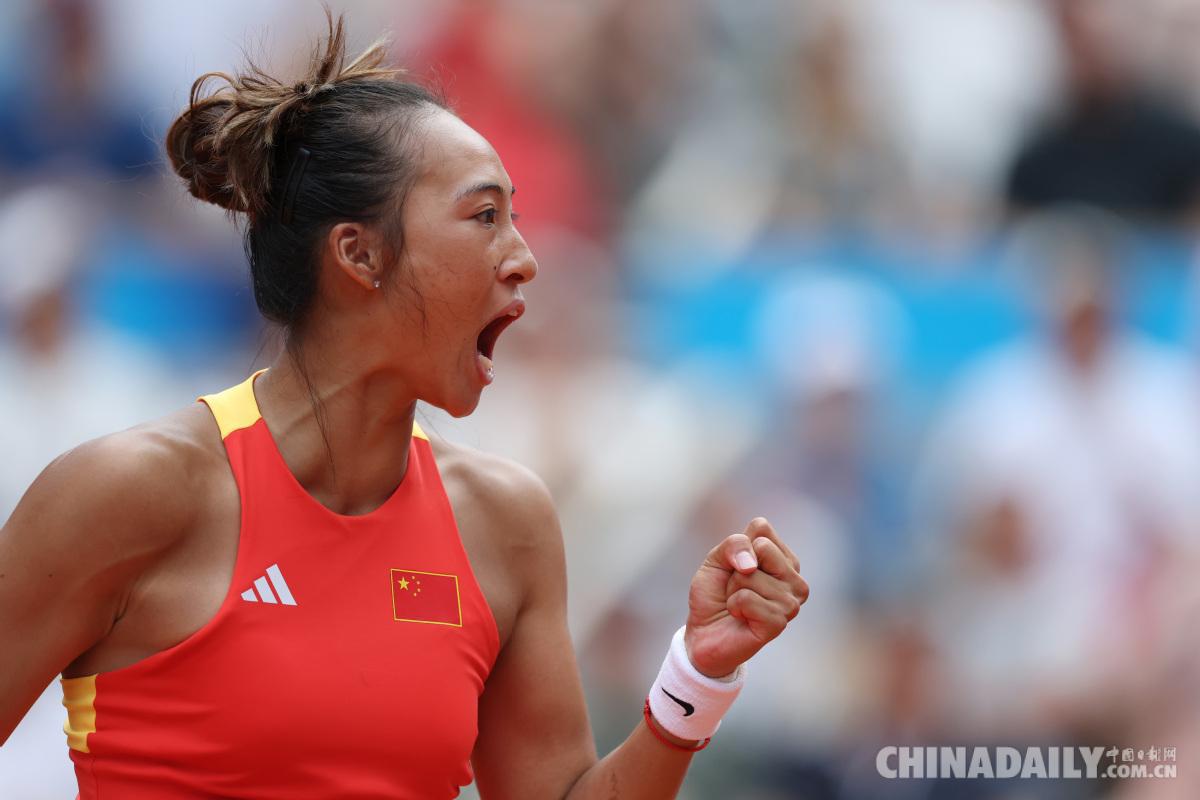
[688, 708]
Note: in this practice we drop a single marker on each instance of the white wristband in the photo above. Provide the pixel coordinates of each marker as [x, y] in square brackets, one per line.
[686, 702]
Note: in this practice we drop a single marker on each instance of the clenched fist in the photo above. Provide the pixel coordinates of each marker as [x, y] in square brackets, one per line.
[746, 592]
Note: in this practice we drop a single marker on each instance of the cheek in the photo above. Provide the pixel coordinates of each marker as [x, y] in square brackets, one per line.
[442, 307]
[446, 286]
[456, 273]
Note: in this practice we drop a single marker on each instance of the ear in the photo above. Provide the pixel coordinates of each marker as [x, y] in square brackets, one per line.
[358, 252]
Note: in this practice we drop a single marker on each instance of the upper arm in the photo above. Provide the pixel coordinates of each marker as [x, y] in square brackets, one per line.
[534, 736]
[74, 545]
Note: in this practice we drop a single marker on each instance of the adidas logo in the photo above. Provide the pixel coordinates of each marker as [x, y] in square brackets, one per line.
[264, 588]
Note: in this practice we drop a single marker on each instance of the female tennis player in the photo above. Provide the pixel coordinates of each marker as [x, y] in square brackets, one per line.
[288, 590]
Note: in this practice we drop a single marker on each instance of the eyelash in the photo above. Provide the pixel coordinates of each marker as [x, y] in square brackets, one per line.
[492, 220]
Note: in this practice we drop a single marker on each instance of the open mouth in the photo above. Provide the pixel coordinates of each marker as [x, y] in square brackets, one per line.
[485, 344]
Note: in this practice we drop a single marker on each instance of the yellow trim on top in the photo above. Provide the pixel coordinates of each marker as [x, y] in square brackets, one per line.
[235, 408]
[79, 697]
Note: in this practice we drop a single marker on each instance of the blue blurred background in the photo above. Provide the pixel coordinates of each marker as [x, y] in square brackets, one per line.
[915, 279]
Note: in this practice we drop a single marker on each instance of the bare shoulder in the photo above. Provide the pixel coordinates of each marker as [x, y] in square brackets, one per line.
[135, 490]
[506, 500]
[508, 491]
[93, 523]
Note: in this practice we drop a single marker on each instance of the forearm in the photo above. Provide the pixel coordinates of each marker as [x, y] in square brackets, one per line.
[642, 767]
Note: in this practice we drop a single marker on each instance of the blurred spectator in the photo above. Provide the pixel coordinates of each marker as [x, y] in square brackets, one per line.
[516, 91]
[1058, 485]
[57, 108]
[1116, 142]
[646, 65]
[63, 377]
[948, 88]
[839, 170]
[832, 343]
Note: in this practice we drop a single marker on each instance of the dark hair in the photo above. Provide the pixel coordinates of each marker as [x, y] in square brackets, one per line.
[297, 158]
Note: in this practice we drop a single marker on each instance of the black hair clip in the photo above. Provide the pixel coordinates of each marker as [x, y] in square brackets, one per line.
[291, 186]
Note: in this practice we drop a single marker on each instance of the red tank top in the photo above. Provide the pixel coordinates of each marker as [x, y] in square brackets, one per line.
[346, 660]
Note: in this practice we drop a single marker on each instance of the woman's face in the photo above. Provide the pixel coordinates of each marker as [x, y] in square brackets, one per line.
[457, 283]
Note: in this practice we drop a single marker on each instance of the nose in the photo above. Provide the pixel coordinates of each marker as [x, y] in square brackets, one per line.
[520, 266]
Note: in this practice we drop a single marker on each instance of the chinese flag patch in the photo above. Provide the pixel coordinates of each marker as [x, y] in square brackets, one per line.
[425, 597]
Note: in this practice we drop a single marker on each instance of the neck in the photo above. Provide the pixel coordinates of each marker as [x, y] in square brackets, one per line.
[343, 427]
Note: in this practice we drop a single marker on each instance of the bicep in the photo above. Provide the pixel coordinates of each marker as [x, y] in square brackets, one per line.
[534, 736]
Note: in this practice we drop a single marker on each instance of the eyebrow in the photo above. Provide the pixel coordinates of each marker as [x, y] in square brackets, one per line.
[482, 187]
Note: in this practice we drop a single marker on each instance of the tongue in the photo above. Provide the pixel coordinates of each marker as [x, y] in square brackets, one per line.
[486, 371]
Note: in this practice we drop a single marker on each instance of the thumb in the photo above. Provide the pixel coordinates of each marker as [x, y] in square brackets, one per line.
[735, 553]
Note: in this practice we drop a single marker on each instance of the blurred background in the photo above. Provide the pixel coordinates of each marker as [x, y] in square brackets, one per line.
[915, 279]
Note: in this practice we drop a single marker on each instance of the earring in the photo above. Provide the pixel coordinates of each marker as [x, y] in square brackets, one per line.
[378, 284]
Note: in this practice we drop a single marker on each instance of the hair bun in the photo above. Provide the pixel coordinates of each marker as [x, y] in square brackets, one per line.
[222, 145]
[192, 145]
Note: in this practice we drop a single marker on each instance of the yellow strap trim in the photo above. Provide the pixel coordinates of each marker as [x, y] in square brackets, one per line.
[79, 697]
[235, 408]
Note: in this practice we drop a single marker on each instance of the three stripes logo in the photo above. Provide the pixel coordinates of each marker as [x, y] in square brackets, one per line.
[264, 584]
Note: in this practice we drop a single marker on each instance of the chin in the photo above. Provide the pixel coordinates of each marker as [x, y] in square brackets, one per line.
[462, 411]
[459, 407]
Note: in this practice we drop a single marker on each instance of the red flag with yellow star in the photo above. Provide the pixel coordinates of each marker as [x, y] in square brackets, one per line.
[426, 597]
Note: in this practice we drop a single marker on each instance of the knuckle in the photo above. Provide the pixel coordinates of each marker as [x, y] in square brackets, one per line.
[763, 583]
[768, 546]
[743, 597]
[802, 591]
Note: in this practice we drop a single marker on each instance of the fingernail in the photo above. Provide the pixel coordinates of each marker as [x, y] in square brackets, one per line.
[745, 561]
